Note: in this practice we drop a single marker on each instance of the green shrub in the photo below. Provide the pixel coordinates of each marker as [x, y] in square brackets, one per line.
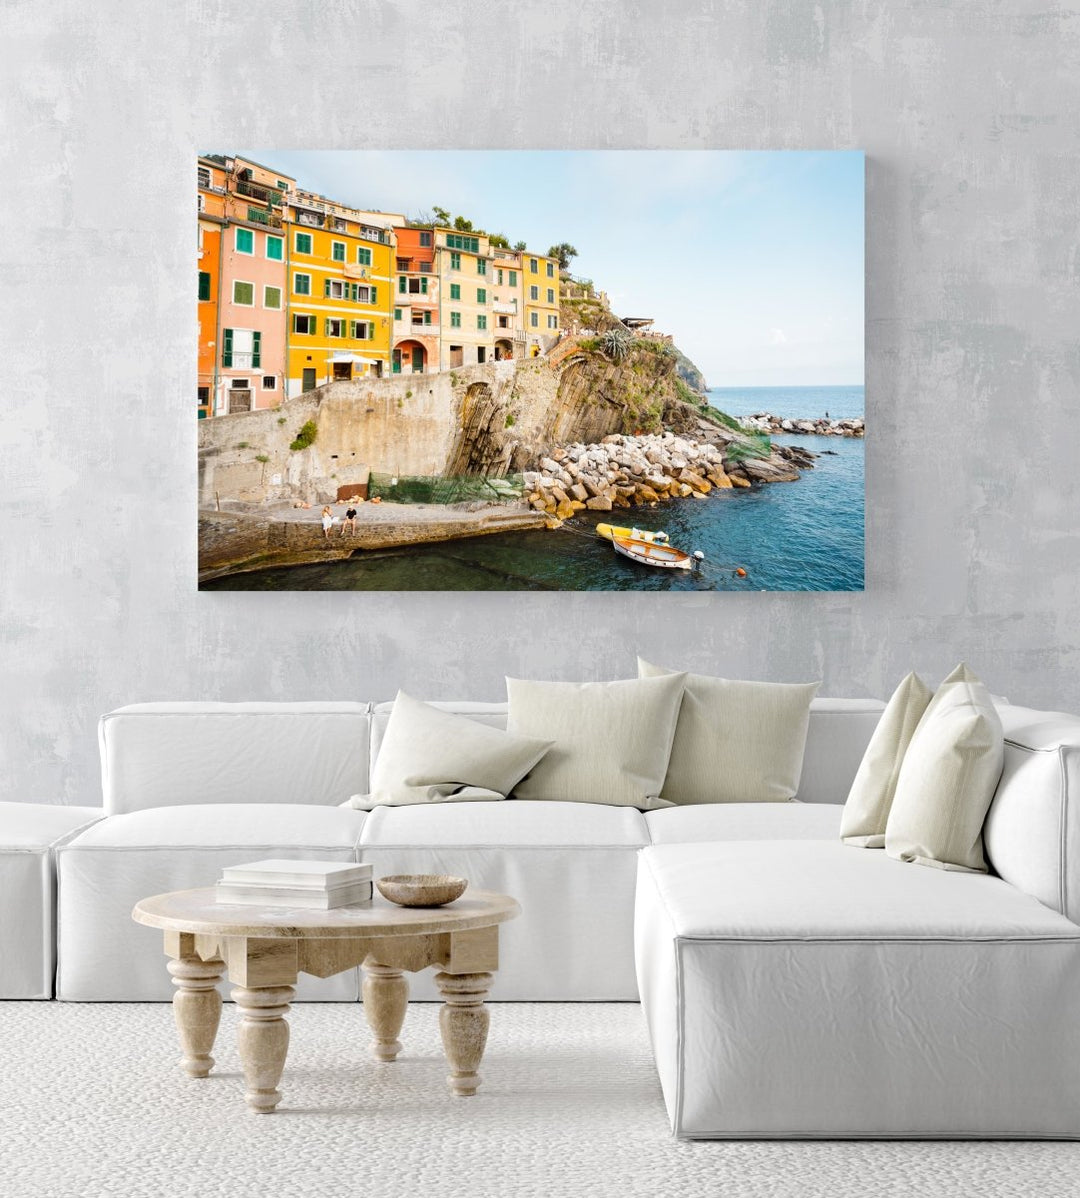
[262, 457]
[616, 344]
[511, 420]
[306, 436]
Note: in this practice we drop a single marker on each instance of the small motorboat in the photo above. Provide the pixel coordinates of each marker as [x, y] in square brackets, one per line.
[648, 553]
[611, 531]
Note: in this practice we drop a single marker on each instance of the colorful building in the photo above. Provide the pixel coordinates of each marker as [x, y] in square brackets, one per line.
[540, 280]
[416, 303]
[463, 263]
[508, 304]
[340, 291]
[242, 318]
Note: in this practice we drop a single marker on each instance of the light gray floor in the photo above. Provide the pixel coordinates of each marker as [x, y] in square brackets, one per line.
[92, 1103]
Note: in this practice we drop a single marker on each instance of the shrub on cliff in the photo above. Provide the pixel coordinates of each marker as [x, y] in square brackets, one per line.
[305, 436]
[616, 344]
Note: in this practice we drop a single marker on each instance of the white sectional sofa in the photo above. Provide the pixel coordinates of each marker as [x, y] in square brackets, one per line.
[792, 985]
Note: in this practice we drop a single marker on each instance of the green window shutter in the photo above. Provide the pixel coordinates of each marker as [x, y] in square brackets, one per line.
[204, 285]
[326, 288]
[513, 278]
[427, 316]
[455, 291]
[397, 313]
[423, 284]
[352, 329]
[481, 295]
[401, 283]
[326, 326]
[226, 354]
[352, 291]
[256, 350]
[372, 296]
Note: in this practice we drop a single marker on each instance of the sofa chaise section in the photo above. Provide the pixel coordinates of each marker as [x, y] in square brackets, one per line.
[809, 989]
[103, 872]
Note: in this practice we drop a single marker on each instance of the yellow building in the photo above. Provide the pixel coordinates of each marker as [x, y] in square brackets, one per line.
[540, 281]
[340, 291]
[464, 262]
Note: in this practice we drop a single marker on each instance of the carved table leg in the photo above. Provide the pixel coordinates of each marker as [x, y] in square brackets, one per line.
[263, 1041]
[197, 1010]
[463, 1022]
[386, 998]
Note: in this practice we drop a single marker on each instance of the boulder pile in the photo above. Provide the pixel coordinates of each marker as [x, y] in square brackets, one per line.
[766, 422]
[623, 471]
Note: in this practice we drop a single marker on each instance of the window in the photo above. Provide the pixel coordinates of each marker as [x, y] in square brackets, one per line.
[361, 330]
[335, 326]
[412, 286]
[499, 277]
[269, 382]
[534, 266]
[275, 248]
[551, 295]
[245, 241]
[303, 324]
[303, 243]
[455, 320]
[241, 350]
[425, 239]
[243, 293]
[455, 290]
[513, 278]
[337, 251]
[553, 322]
[282, 185]
[199, 203]
[397, 313]
[534, 293]
[204, 397]
[455, 261]
[204, 176]
[551, 270]
[534, 319]
[271, 297]
[456, 242]
[204, 284]
[335, 289]
[403, 263]
[301, 284]
[481, 295]
[363, 255]
[481, 266]
[481, 322]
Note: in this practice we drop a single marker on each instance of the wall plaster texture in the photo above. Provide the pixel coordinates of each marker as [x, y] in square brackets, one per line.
[968, 113]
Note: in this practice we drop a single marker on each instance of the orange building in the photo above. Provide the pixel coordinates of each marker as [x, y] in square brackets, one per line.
[211, 203]
[416, 303]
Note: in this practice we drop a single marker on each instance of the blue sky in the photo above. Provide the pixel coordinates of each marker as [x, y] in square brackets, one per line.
[752, 260]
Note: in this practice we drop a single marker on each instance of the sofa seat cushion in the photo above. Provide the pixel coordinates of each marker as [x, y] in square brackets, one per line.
[707, 822]
[571, 866]
[532, 822]
[811, 989]
[29, 836]
[102, 874]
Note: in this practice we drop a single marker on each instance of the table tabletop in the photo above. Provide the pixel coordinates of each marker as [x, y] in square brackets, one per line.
[199, 911]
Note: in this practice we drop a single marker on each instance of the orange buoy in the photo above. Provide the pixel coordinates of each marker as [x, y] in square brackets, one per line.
[740, 573]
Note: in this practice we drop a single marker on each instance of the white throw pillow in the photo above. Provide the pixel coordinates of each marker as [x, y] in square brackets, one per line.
[612, 739]
[432, 756]
[948, 778]
[737, 742]
[867, 808]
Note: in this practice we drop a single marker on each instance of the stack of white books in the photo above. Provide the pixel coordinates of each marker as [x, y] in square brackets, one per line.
[318, 885]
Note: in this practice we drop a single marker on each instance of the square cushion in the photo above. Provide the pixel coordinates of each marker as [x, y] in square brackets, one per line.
[796, 988]
[105, 956]
[30, 833]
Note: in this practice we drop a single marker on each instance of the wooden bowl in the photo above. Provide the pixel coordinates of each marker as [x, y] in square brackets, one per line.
[421, 890]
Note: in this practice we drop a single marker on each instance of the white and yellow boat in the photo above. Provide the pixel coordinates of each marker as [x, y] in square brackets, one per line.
[649, 553]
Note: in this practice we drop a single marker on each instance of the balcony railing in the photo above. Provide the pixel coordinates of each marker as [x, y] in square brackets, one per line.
[259, 217]
[403, 328]
[268, 195]
[310, 218]
[507, 309]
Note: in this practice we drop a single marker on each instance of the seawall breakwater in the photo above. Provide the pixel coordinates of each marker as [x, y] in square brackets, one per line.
[623, 471]
[766, 422]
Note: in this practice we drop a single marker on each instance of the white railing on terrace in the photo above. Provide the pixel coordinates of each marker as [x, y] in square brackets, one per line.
[403, 328]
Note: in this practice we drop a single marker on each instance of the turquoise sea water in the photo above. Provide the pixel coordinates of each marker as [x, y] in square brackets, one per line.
[801, 536]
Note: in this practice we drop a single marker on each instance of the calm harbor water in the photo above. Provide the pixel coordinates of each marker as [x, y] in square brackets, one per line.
[802, 536]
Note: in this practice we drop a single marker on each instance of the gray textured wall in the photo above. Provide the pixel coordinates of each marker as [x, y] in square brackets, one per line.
[968, 114]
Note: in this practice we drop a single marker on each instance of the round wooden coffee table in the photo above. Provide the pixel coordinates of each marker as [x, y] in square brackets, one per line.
[264, 948]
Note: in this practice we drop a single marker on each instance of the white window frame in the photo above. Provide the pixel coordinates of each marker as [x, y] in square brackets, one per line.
[299, 274]
[534, 293]
[269, 382]
[341, 285]
[297, 234]
[312, 324]
[344, 251]
[237, 303]
[553, 322]
[551, 295]
[342, 327]
[236, 242]
[534, 266]
[534, 320]
[241, 384]
[274, 237]
[361, 250]
[273, 307]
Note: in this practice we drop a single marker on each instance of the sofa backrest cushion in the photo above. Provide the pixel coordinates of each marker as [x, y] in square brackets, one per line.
[1032, 832]
[175, 754]
[840, 730]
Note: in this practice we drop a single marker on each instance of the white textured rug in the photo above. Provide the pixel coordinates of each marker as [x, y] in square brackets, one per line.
[92, 1103]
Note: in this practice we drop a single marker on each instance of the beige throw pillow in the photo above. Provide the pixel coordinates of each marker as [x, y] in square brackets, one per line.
[867, 808]
[433, 756]
[948, 778]
[736, 742]
[612, 739]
